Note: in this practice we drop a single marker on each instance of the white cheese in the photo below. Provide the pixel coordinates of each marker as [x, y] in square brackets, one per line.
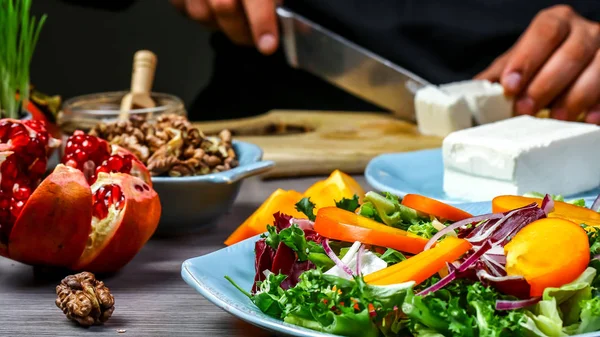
[369, 263]
[486, 100]
[520, 155]
[439, 114]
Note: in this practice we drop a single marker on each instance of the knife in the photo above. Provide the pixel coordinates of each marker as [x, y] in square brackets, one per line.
[311, 47]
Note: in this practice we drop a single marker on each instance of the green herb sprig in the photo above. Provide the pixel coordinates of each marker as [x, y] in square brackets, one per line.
[19, 32]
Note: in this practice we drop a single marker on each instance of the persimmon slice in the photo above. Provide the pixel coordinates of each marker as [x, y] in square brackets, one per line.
[550, 252]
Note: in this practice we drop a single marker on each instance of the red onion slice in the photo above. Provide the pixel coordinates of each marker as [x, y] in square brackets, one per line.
[547, 204]
[359, 255]
[596, 204]
[497, 265]
[461, 223]
[454, 270]
[493, 268]
[440, 284]
[512, 305]
[480, 237]
[336, 259]
[511, 285]
[474, 257]
[304, 224]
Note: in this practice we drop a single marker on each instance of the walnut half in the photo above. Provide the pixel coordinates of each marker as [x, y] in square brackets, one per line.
[84, 299]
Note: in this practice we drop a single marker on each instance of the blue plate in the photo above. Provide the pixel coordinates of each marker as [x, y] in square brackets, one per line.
[207, 274]
[420, 172]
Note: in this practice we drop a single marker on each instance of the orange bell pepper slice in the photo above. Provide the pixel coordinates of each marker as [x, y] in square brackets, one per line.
[562, 210]
[342, 225]
[280, 201]
[433, 207]
[549, 252]
[423, 265]
[337, 186]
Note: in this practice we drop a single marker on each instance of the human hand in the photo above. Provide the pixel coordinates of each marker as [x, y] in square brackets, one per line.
[245, 22]
[555, 64]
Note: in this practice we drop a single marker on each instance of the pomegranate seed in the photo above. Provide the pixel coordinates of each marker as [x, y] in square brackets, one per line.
[100, 210]
[21, 172]
[105, 197]
[4, 203]
[114, 163]
[4, 127]
[100, 193]
[20, 139]
[36, 148]
[16, 208]
[36, 125]
[116, 194]
[9, 168]
[80, 156]
[21, 193]
[38, 166]
[82, 148]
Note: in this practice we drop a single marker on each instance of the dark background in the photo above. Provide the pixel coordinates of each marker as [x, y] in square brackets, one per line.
[84, 50]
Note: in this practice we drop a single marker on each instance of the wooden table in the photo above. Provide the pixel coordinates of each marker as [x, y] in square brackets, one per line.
[151, 297]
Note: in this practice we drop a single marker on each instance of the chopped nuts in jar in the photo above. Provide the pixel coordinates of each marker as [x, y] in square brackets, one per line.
[171, 146]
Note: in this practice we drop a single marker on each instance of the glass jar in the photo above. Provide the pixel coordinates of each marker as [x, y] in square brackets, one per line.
[84, 112]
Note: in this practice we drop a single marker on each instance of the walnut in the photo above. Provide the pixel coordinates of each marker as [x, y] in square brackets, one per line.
[84, 299]
[171, 145]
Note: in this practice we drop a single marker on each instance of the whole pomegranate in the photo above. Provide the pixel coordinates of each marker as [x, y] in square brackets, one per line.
[94, 212]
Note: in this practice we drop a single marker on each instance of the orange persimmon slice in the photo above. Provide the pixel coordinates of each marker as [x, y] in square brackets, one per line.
[280, 201]
[342, 225]
[423, 265]
[550, 252]
[433, 207]
[338, 185]
[563, 210]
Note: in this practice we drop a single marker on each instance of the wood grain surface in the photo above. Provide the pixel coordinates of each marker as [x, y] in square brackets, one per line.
[151, 297]
[310, 143]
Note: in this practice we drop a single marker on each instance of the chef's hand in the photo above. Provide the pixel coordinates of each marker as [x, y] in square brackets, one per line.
[554, 64]
[245, 22]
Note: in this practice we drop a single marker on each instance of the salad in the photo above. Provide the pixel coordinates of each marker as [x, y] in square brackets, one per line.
[385, 266]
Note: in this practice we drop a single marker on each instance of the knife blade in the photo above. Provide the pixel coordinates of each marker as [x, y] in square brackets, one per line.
[311, 47]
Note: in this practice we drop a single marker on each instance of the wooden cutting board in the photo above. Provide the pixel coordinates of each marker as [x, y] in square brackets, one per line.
[306, 143]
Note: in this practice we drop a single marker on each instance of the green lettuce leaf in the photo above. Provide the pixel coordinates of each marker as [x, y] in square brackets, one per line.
[424, 229]
[594, 239]
[294, 238]
[348, 324]
[329, 303]
[307, 207]
[462, 309]
[561, 309]
[392, 256]
[590, 315]
[389, 210]
[348, 204]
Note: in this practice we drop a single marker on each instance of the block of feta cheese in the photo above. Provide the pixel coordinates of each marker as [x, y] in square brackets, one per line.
[486, 100]
[520, 155]
[439, 114]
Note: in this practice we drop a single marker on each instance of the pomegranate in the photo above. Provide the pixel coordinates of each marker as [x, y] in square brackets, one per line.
[93, 155]
[126, 208]
[24, 150]
[95, 211]
[55, 223]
